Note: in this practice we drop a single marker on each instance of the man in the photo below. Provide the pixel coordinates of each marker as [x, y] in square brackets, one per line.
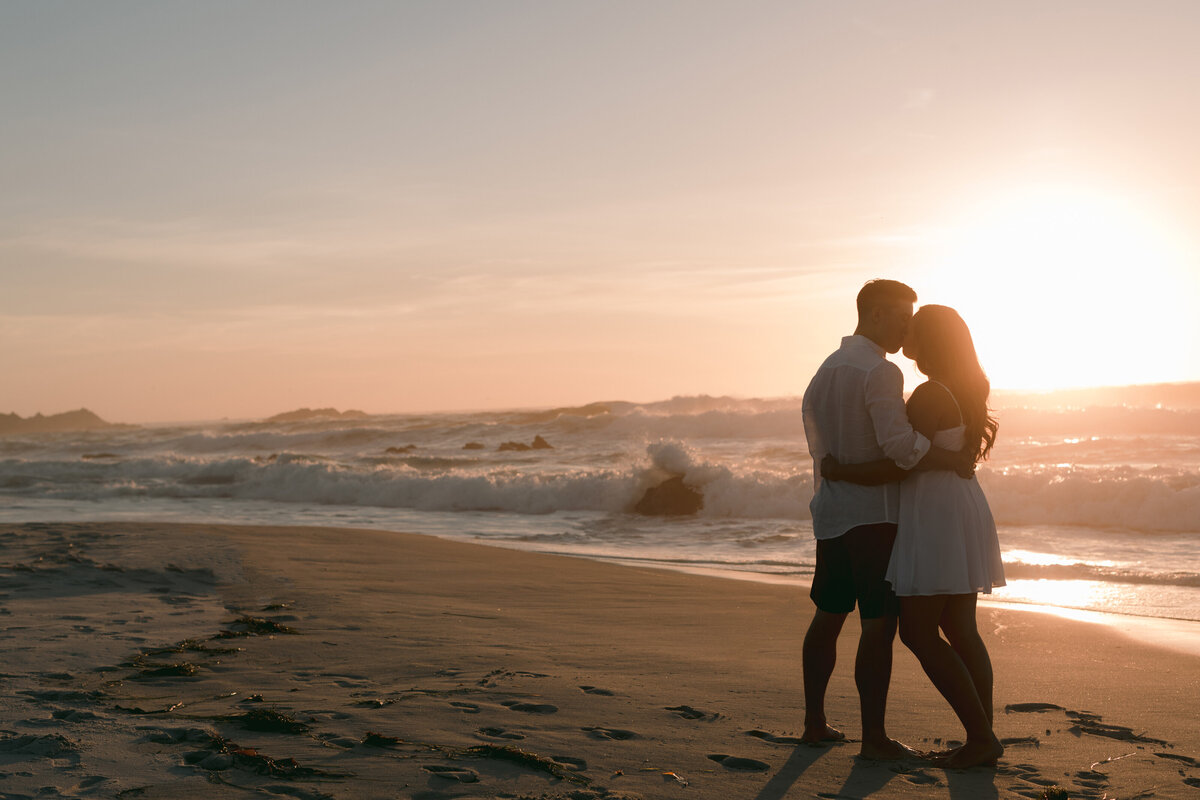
[854, 410]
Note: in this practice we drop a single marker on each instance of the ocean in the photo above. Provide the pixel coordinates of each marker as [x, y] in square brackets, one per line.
[1097, 501]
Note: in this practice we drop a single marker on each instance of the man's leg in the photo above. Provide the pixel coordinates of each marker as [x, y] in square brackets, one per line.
[873, 676]
[871, 546]
[820, 656]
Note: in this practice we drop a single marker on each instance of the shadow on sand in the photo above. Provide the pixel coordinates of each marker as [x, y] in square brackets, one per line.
[868, 777]
[800, 760]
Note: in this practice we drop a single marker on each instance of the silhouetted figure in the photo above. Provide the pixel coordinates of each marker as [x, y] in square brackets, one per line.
[946, 549]
[854, 410]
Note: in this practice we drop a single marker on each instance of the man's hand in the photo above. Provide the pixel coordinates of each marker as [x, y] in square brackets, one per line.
[965, 465]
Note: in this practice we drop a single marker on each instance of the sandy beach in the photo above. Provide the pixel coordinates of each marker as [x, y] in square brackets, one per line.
[179, 661]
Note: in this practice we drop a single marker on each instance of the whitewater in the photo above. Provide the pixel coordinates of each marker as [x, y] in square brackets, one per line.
[1098, 505]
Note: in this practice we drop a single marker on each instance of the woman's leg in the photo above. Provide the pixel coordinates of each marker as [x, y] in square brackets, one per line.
[958, 623]
[919, 620]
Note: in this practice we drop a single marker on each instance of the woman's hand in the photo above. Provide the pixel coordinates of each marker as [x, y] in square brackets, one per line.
[830, 467]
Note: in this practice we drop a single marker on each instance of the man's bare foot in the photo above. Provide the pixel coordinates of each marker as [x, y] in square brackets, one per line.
[973, 754]
[816, 734]
[886, 750]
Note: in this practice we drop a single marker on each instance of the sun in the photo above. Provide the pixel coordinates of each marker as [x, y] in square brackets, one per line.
[1069, 287]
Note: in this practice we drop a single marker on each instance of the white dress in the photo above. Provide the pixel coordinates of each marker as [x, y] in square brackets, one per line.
[946, 539]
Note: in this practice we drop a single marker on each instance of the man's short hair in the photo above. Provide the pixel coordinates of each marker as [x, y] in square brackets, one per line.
[878, 293]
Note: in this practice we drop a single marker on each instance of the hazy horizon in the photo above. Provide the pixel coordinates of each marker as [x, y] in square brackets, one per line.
[226, 210]
[1183, 395]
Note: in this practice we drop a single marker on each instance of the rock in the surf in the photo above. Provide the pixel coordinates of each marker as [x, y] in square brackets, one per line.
[671, 498]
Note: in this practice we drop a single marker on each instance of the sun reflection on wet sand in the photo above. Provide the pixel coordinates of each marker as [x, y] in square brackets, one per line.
[1070, 599]
[1065, 594]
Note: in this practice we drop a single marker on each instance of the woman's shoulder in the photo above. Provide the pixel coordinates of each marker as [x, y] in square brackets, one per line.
[934, 403]
[932, 391]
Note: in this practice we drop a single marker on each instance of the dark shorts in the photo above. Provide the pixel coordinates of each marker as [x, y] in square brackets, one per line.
[850, 569]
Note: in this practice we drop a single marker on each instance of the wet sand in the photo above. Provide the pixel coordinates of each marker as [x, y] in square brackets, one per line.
[181, 661]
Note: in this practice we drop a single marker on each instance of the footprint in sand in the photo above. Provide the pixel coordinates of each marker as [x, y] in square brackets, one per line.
[460, 774]
[739, 764]
[1025, 708]
[920, 777]
[597, 690]
[774, 739]
[1087, 722]
[1011, 741]
[71, 715]
[687, 712]
[376, 702]
[49, 746]
[1191, 762]
[499, 733]
[466, 708]
[573, 764]
[610, 733]
[89, 782]
[530, 708]
[1091, 779]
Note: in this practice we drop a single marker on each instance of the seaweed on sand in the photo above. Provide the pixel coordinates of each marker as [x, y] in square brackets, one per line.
[255, 626]
[265, 720]
[191, 646]
[251, 760]
[179, 670]
[525, 759]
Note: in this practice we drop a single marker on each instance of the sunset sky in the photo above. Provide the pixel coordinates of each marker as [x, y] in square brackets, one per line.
[229, 209]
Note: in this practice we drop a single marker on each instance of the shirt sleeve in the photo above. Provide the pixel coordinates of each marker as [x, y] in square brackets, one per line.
[885, 404]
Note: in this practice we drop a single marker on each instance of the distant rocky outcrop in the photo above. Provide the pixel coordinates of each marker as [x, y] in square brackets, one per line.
[474, 446]
[305, 414]
[538, 444]
[671, 498]
[81, 420]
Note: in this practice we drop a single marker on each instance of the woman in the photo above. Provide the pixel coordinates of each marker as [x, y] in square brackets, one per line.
[946, 549]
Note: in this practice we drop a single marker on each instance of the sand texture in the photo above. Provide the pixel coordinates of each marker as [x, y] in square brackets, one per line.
[201, 661]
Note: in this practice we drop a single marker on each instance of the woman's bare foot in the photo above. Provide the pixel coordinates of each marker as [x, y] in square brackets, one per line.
[815, 734]
[973, 754]
[886, 750]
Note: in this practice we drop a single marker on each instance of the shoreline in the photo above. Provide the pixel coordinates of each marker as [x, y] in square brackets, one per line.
[391, 664]
[1172, 633]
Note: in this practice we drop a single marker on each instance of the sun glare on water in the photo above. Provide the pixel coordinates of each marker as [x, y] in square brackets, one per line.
[1064, 287]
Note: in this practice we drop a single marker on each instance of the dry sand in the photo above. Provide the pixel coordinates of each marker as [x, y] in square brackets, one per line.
[200, 661]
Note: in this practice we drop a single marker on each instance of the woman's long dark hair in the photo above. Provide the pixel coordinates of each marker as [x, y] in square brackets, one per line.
[946, 353]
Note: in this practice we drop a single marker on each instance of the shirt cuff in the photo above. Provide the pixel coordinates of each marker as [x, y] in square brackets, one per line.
[919, 449]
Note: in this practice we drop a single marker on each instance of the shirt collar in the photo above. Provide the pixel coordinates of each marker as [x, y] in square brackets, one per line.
[858, 340]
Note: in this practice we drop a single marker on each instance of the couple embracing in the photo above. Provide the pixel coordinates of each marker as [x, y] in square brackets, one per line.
[903, 529]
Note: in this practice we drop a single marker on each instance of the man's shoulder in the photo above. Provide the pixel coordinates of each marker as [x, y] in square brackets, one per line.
[858, 359]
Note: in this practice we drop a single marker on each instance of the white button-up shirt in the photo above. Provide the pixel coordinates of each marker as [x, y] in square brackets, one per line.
[854, 409]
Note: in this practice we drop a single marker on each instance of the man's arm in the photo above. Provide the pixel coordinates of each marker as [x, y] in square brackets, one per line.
[900, 441]
[868, 473]
[875, 473]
